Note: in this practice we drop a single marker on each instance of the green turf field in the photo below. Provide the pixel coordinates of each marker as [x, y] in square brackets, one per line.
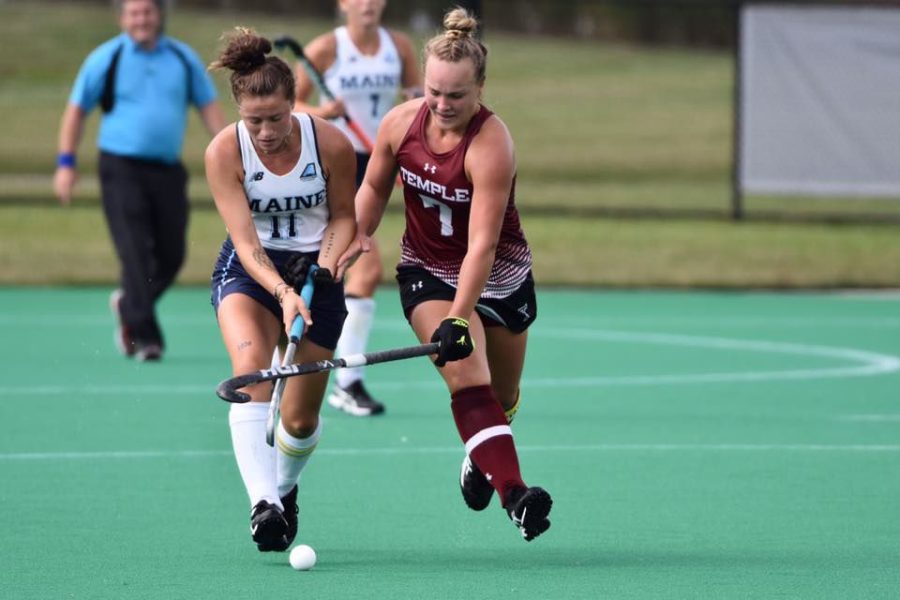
[697, 445]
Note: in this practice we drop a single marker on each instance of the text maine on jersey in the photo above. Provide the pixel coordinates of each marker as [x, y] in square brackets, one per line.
[357, 82]
[289, 203]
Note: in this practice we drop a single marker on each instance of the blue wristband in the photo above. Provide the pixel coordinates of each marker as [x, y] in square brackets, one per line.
[65, 159]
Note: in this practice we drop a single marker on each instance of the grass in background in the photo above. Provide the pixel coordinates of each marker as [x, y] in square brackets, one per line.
[600, 130]
[569, 251]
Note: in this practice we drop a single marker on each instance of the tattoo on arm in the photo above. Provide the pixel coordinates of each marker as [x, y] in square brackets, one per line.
[262, 259]
[245, 344]
[328, 245]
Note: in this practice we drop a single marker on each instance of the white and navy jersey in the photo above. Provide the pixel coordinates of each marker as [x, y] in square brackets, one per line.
[368, 85]
[290, 211]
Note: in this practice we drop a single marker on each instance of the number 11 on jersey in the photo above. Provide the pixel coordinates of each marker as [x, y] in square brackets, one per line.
[291, 227]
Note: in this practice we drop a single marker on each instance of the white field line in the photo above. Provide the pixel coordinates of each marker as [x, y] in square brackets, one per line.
[869, 363]
[889, 418]
[412, 450]
[863, 364]
[540, 327]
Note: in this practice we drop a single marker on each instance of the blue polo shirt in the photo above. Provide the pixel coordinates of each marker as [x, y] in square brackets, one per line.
[152, 92]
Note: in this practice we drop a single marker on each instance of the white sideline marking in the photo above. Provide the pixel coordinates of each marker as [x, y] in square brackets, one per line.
[869, 364]
[872, 418]
[748, 320]
[357, 452]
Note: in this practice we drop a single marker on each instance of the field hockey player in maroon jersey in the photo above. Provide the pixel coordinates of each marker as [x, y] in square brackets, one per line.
[465, 267]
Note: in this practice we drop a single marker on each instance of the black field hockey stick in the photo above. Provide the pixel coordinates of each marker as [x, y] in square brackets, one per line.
[296, 333]
[228, 389]
[296, 49]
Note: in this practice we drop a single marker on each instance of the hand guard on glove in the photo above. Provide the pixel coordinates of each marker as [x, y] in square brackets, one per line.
[296, 270]
[456, 343]
[323, 277]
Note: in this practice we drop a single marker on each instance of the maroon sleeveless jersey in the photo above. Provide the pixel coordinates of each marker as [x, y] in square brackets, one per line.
[438, 201]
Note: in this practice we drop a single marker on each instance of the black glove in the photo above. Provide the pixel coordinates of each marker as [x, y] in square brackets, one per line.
[456, 343]
[295, 271]
[323, 277]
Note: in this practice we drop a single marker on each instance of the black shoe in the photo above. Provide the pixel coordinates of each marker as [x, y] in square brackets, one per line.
[148, 352]
[528, 509]
[289, 501]
[475, 487]
[121, 335]
[355, 399]
[268, 527]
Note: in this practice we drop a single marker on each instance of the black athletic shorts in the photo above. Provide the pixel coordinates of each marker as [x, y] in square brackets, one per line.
[328, 307]
[362, 161]
[516, 312]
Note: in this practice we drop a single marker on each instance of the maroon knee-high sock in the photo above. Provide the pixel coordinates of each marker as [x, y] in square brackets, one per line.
[484, 430]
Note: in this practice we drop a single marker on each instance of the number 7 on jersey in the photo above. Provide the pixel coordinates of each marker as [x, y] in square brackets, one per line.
[445, 214]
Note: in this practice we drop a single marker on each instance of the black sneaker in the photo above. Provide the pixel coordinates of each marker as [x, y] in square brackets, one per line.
[148, 352]
[475, 487]
[289, 501]
[268, 527]
[121, 336]
[528, 509]
[355, 399]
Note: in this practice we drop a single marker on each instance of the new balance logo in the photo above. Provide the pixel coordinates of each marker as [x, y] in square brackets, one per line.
[257, 176]
[430, 168]
[416, 286]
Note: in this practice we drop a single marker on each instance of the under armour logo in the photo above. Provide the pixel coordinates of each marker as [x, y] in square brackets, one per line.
[462, 340]
[430, 168]
[519, 520]
[524, 310]
[416, 286]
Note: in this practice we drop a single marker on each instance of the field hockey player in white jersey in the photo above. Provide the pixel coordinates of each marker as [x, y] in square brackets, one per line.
[367, 68]
[283, 185]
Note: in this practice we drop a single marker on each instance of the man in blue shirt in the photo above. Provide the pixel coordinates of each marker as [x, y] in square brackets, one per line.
[144, 82]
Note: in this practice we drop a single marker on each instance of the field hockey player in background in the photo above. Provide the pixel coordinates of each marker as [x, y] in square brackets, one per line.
[365, 67]
[283, 185]
[465, 267]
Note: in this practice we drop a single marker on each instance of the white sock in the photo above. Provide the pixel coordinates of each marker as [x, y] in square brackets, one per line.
[293, 454]
[255, 458]
[354, 337]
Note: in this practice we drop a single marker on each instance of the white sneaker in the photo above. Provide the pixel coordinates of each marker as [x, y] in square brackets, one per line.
[355, 400]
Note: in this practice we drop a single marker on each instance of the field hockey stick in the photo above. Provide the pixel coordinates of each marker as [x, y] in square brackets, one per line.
[296, 49]
[228, 389]
[296, 332]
